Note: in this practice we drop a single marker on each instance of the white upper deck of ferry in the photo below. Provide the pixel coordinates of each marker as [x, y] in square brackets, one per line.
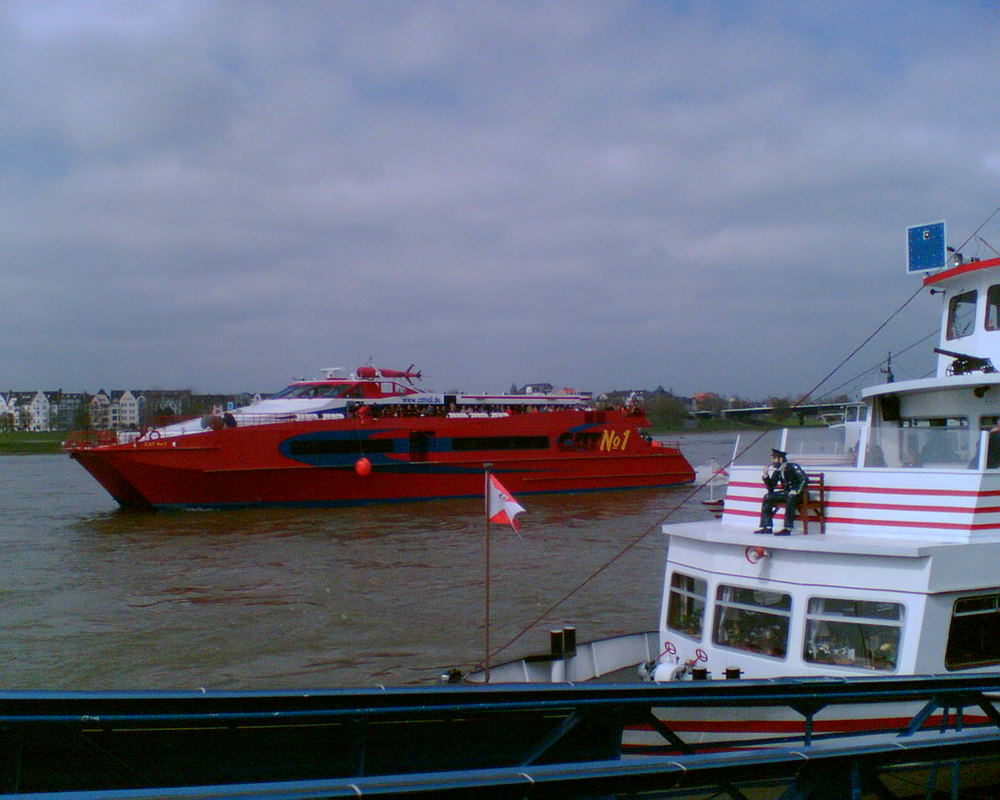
[337, 392]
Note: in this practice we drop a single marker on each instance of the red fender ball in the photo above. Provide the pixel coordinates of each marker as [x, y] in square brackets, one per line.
[363, 467]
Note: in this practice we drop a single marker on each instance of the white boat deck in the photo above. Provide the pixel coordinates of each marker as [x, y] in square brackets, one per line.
[840, 542]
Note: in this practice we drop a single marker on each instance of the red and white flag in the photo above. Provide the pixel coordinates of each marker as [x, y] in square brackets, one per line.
[502, 505]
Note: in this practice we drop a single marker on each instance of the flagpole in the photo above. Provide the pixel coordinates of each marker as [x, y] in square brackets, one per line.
[486, 611]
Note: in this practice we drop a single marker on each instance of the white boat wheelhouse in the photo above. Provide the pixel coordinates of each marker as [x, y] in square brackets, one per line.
[905, 578]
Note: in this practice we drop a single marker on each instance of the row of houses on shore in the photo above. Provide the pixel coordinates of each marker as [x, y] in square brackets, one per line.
[123, 409]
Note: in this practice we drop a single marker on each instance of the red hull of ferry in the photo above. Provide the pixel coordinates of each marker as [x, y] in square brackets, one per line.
[315, 463]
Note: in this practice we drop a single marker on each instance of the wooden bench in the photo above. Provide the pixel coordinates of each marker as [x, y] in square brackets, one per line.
[813, 505]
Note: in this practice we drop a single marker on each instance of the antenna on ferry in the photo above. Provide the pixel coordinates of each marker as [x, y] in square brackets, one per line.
[887, 370]
[983, 241]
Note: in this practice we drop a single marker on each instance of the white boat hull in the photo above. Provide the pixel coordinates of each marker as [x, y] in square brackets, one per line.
[778, 726]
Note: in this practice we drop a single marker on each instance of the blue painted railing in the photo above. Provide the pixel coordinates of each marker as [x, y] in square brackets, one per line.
[383, 739]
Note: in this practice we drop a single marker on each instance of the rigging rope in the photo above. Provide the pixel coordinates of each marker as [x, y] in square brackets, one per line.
[860, 375]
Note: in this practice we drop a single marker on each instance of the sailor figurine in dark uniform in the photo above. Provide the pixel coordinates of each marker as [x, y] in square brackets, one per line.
[785, 481]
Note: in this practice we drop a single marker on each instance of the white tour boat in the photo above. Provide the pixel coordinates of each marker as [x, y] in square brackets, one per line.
[897, 574]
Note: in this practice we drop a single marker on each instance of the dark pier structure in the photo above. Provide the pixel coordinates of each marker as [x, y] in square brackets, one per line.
[537, 741]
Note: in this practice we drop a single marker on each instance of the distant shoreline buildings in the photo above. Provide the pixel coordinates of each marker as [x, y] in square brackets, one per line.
[121, 409]
[136, 409]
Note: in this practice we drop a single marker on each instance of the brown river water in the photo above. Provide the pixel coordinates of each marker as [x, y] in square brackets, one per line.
[95, 598]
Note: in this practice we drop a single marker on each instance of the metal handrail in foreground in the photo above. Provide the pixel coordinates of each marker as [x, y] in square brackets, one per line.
[879, 768]
[127, 740]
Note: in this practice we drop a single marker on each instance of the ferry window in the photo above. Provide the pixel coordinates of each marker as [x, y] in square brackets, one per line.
[939, 442]
[972, 639]
[752, 619]
[686, 607]
[339, 447]
[962, 315]
[577, 441]
[292, 391]
[500, 443]
[987, 424]
[853, 633]
[312, 390]
[993, 308]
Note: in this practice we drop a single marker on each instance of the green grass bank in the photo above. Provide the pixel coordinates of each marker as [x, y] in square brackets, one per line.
[31, 443]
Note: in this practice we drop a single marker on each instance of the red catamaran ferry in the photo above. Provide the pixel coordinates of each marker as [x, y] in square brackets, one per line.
[376, 436]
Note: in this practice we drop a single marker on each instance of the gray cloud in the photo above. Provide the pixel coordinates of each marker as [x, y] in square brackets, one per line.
[714, 197]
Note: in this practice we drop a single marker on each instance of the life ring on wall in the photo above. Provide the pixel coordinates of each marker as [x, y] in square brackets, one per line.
[754, 553]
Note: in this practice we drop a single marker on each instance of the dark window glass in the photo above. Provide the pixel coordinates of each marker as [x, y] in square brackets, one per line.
[686, 609]
[974, 637]
[314, 390]
[752, 619]
[993, 308]
[500, 443]
[340, 447]
[853, 633]
[962, 315]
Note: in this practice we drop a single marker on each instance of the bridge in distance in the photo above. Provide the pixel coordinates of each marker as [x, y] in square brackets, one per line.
[801, 411]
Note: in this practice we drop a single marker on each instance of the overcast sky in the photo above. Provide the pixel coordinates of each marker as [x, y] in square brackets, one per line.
[704, 196]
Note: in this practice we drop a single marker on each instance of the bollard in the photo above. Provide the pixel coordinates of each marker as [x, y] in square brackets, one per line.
[556, 645]
[569, 641]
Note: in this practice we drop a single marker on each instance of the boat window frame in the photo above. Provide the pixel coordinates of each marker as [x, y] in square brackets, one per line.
[688, 599]
[951, 662]
[312, 391]
[884, 659]
[992, 323]
[760, 636]
[960, 315]
[924, 441]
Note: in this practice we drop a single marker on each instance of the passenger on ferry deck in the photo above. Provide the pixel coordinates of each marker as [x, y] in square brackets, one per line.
[785, 482]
